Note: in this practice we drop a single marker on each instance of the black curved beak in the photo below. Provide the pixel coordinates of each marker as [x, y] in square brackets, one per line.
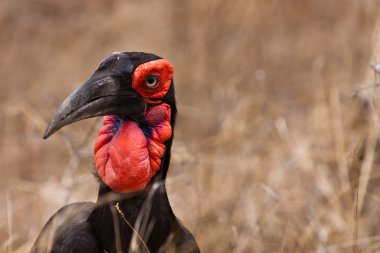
[98, 96]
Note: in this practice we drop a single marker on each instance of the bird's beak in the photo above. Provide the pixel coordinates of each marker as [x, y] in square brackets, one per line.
[98, 96]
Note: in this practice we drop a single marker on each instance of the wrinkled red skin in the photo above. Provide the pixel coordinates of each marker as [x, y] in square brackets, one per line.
[161, 68]
[127, 160]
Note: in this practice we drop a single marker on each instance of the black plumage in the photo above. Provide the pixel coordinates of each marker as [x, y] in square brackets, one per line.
[141, 221]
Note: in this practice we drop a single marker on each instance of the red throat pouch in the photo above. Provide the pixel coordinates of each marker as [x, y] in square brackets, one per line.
[125, 158]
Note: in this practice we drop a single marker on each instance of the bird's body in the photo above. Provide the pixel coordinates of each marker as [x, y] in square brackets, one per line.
[132, 155]
[80, 227]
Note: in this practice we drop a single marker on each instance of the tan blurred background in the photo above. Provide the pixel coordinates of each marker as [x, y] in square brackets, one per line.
[270, 145]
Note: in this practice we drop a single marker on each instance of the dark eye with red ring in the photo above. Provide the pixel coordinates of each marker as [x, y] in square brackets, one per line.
[152, 81]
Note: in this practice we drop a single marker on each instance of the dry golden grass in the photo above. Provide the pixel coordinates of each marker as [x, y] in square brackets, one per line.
[272, 152]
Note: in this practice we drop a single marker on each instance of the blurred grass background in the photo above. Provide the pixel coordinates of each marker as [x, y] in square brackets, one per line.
[272, 153]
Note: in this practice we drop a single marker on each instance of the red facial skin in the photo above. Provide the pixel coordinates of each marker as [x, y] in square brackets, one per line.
[125, 158]
[161, 68]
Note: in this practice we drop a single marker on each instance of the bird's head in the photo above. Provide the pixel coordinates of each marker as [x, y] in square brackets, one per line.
[135, 93]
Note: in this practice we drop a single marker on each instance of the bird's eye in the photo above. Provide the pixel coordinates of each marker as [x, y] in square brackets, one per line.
[151, 81]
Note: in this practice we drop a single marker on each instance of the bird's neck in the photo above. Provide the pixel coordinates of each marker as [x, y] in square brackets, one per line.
[144, 212]
[120, 217]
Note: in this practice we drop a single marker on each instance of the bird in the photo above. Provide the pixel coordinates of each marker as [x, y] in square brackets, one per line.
[134, 92]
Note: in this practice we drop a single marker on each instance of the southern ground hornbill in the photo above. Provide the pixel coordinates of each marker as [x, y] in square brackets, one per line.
[135, 93]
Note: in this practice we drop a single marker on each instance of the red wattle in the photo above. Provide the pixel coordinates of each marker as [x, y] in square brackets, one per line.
[127, 161]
